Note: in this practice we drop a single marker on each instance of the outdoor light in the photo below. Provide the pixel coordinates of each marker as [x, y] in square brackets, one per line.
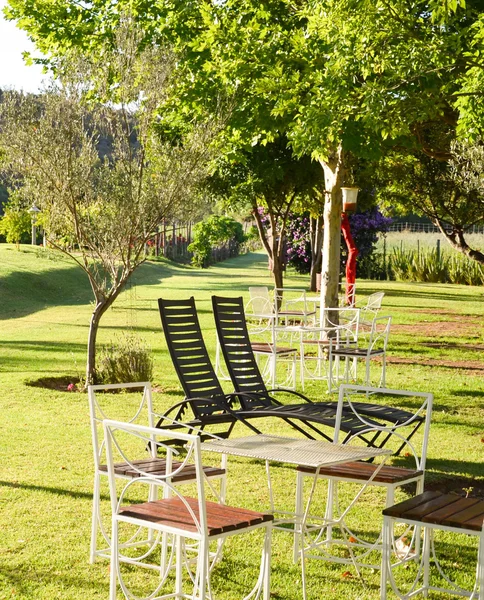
[34, 211]
[350, 194]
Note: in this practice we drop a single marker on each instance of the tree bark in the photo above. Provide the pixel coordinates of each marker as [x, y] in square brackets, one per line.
[273, 243]
[99, 310]
[316, 246]
[457, 240]
[102, 305]
[333, 206]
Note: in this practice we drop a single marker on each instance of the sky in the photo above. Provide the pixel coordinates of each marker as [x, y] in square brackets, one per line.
[14, 73]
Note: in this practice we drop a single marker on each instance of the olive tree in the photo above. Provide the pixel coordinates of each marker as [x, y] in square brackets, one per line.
[103, 174]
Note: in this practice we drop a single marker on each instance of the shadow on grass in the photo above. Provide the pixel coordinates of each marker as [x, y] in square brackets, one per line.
[25, 580]
[51, 490]
[468, 393]
[26, 292]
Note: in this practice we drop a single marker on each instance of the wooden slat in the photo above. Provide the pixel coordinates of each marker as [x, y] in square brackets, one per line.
[441, 509]
[362, 471]
[419, 512]
[172, 512]
[269, 348]
[450, 510]
[157, 467]
[470, 518]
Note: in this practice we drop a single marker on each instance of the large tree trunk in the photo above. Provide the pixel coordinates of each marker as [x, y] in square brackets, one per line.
[333, 206]
[316, 237]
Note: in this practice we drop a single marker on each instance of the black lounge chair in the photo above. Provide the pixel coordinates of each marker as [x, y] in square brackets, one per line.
[246, 378]
[206, 400]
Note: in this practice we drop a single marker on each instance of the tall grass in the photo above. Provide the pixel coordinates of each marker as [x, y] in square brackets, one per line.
[432, 266]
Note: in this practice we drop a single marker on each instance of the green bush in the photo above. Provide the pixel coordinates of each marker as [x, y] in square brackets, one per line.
[214, 232]
[128, 360]
[15, 224]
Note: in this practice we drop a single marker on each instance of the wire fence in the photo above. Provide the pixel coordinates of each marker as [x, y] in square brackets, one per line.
[427, 228]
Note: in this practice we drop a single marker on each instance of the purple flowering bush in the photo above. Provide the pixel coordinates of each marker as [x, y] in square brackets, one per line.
[298, 244]
[365, 228]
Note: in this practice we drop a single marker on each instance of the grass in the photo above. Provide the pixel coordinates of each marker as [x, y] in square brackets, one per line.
[408, 240]
[45, 446]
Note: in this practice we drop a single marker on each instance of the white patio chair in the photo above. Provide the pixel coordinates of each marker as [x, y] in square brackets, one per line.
[104, 405]
[408, 442]
[371, 309]
[193, 522]
[338, 324]
[374, 347]
[293, 308]
[275, 356]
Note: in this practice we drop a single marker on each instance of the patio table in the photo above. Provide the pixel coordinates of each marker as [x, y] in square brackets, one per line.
[300, 452]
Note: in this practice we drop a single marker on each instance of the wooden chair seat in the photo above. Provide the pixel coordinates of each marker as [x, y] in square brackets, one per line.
[157, 467]
[362, 471]
[435, 508]
[296, 313]
[173, 512]
[356, 352]
[267, 348]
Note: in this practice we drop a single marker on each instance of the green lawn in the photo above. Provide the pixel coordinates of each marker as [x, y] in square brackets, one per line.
[46, 458]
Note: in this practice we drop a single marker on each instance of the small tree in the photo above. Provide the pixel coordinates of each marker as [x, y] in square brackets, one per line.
[104, 176]
[14, 224]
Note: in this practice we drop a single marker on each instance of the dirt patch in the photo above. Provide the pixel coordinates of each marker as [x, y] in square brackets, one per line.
[61, 384]
[461, 486]
[466, 365]
[71, 384]
[460, 325]
[454, 345]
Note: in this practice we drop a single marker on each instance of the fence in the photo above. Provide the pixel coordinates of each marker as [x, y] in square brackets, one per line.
[427, 228]
[173, 239]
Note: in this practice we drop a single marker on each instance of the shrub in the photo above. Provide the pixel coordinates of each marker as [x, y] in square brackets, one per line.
[214, 232]
[298, 243]
[15, 224]
[128, 360]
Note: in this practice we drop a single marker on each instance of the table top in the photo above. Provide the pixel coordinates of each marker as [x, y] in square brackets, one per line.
[302, 452]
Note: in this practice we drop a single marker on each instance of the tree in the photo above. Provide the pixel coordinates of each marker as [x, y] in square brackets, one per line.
[109, 205]
[450, 193]
[14, 223]
[333, 76]
[271, 180]
[213, 232]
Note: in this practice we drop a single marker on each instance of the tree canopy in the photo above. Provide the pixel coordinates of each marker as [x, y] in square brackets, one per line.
[331, 77]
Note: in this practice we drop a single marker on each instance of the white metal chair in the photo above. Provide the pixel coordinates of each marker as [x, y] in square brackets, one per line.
[337, 324]
[433, 512]
[193, 522]
[292, 307]
[260, 306]
[371, 309]
[409, 444]
[373, 347]
[279, 368]
[104, 405]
